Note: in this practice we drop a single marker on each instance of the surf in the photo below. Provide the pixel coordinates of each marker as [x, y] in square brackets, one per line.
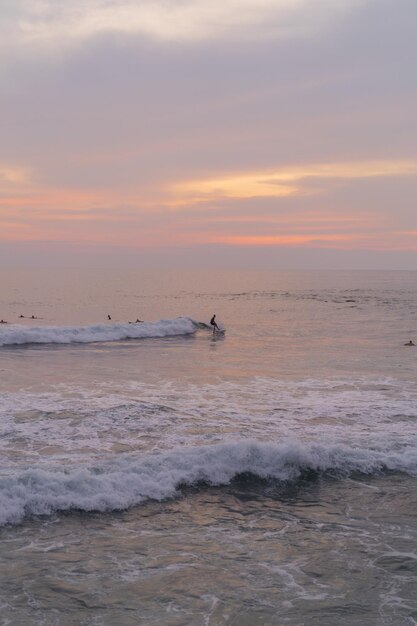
[131, 479]
[25, 335]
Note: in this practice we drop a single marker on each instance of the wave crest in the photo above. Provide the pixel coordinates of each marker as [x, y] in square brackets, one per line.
[20, 335]
[128, 481]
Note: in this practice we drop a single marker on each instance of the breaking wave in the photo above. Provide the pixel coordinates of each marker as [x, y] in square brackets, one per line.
[20, 335]
[128, 480]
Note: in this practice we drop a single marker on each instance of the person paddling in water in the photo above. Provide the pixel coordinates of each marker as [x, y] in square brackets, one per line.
[213, 323]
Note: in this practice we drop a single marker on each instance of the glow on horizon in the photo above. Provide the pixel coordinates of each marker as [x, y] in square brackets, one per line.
[282, 240]
[145, 217]
[335, 241]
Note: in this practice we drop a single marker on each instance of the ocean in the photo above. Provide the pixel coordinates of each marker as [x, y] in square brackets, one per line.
[156, 473]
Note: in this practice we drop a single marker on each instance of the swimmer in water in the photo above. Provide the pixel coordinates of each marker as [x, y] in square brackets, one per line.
[410, 343]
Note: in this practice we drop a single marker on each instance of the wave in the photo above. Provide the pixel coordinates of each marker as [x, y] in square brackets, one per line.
[19, 335]
[128, 481]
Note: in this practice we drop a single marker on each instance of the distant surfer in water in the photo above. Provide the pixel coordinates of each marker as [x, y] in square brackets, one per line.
[213, 323]
[108, 317]
[410, 343]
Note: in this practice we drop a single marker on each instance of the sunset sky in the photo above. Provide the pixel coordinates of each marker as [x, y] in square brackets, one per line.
[264, 133]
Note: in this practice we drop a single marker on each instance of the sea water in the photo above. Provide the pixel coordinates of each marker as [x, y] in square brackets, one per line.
[157, 473]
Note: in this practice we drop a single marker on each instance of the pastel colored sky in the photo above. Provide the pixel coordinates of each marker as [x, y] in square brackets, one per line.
[270, 133]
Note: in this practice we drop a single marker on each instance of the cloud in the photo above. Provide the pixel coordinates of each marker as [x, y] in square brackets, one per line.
[341, 217]
[152, 123]
[15, 183]
[59, 22]
[13, 176]
[288, 181]
[123, 110]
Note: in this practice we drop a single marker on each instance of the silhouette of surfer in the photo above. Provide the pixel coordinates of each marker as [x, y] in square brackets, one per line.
[410, 343]
[108, 317]
[214, 324]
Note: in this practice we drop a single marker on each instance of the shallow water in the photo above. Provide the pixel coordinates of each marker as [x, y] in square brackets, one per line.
[250, 553]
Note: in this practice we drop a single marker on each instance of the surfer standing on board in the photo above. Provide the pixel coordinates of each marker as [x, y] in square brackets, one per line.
[213, 323]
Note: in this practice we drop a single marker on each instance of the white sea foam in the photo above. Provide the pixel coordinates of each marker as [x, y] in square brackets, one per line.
[84, 423]
[15, 334]
[129, 480]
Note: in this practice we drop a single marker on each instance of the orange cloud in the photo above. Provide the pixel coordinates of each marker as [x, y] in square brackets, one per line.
[287, 181]
[349, 241]
[279, 240]
[13, 177]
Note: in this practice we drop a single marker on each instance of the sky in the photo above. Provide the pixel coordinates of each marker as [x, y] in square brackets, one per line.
[244, 133]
